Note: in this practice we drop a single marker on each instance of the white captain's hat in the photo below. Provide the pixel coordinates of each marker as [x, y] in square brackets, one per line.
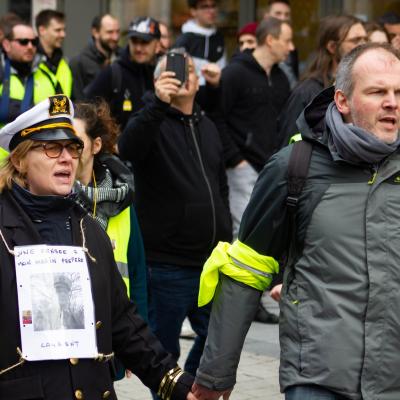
[50, 119]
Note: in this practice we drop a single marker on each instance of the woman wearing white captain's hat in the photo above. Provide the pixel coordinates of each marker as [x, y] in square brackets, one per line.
[37, 207]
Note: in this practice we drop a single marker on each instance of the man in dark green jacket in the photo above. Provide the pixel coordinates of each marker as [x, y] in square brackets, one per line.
[339, 325]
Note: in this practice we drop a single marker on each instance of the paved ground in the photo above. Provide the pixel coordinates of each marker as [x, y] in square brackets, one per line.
[257, 373]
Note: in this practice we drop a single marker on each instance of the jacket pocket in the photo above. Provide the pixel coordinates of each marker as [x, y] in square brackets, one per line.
[29, 388]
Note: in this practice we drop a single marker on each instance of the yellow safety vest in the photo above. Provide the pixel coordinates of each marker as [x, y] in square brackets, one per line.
[63, 76]
[17, 89]
[241, 263]
[119, 230]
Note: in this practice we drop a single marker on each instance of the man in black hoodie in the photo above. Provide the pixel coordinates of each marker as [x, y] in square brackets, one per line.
[253, 90]
[123, 83]
[181, 200]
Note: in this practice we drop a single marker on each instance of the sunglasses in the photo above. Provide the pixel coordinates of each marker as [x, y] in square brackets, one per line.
[54, 149]
[24, 42]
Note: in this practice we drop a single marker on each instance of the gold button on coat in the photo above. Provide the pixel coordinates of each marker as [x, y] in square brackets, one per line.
[74, 361]
[79, 394]
[106, 394]
[98, 324]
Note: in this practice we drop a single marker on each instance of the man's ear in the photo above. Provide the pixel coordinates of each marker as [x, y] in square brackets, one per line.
[6, 45]
[342, 103]
[269, 39]
[41, 30]
[95, 33]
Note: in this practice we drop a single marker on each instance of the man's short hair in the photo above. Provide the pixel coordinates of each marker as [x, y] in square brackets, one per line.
[7, 23]
[45, 16]
[390, 18]
[344, 73]
[97, 20]
[193, 3]
[269, 26]
[9, 29]
[272, 2]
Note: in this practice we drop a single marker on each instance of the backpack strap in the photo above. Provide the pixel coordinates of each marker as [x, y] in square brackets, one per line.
[299, 162]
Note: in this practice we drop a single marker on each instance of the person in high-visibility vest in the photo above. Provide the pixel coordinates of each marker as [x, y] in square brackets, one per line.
[19, 87]
[105, 188]
[50, 25]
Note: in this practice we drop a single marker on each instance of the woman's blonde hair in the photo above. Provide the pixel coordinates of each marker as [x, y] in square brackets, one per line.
[8, 171]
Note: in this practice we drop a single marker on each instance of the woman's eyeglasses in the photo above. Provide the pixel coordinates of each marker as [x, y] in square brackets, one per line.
[54, 149]
[24, 42]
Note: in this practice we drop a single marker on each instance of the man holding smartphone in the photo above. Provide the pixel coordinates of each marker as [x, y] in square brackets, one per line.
[182, 199]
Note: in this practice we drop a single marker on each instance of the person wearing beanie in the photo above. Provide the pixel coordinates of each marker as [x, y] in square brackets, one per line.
[246, 37]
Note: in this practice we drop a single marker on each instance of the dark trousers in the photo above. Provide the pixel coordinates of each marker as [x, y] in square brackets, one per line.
[173, 292]
[310, 392]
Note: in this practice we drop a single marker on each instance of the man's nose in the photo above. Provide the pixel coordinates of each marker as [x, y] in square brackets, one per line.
[391, 100]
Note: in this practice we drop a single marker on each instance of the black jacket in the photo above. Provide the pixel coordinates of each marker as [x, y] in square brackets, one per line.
[181, 189]
[250, 104]
[85, 67]
[302, 95]
[135, 80]
[119, 328]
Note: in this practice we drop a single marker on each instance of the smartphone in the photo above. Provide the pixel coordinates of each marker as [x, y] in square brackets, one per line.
[176, 62]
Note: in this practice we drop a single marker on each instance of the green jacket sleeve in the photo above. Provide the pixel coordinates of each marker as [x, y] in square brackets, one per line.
[264, 231]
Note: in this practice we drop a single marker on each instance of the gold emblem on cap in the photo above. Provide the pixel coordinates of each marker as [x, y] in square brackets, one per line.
[59, 105]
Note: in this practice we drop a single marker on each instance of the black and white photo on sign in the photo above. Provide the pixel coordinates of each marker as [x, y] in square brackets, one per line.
[57, 301]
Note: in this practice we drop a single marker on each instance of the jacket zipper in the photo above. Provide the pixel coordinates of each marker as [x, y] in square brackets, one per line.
[206, 47]
[196, 145]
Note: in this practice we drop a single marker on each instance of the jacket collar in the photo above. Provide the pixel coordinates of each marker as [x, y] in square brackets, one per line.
[191, 26]
[311, 122]
[18, 228]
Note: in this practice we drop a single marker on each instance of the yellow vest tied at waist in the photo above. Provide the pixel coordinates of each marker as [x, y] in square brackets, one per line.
[119, 230]
[241, 263]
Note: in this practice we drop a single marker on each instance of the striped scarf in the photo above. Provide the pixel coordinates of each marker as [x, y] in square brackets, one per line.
[108, 197]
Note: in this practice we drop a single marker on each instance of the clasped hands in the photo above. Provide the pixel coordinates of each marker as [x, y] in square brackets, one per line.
[202, 393]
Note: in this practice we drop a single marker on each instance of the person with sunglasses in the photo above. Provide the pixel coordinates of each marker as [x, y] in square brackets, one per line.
[38, 207]
[124, 82]
[21, 87]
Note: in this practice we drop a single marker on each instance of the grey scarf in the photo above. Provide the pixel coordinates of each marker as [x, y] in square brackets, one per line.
[109, 195]
[353, 144]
